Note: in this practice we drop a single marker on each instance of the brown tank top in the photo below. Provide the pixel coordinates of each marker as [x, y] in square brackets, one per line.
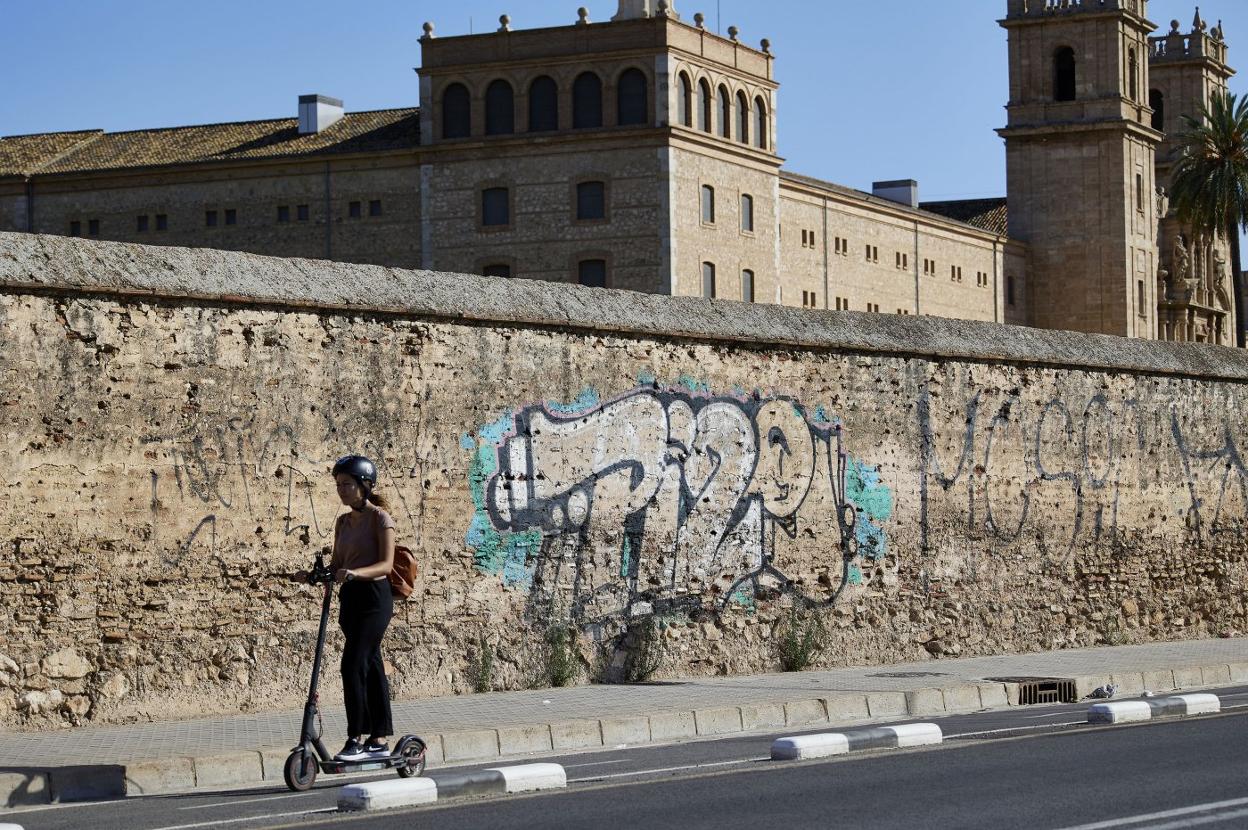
[358, 544]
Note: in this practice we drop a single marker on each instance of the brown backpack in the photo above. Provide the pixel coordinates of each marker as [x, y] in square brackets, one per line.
[403, 574]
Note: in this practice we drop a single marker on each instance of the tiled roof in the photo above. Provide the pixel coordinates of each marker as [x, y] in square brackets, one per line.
[985, 214]
[357, 132]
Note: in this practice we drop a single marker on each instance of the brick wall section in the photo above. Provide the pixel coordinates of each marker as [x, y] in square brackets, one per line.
[170, 417]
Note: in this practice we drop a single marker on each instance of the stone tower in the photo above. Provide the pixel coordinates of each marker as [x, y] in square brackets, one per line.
[1194, 289]
[1080, 152]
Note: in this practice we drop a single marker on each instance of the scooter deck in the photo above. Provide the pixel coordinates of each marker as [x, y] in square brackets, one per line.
[364, 764]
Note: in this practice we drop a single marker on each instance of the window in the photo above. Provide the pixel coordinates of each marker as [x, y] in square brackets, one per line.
[760, 124]
[708, 204]
[1139, 192]
[704, 106]
[231, 216]
[586, 101]
[1064, 74]
[955, 273]
[841, 246]
[747, 286]
[929, 267]
[684, 101]
[162, 222]
[374, 207]
[353, 210]
[873, 254]
[543, 105]
[210, 218]
[810, 299]
[743, 118]
[495, 207]
[500, 109]
[592, 272]
[981, 279]
[1133, 75]
[874, 308]
[1139, 292]
[842, 304]
[632, 102]
[903, 311]
[302, 213]
[591, 201]
[901, 261]
[283, 213]
[723, 113]
[708, 280]
[456, 112]
[75, 228]
[747, 213]
[93, 227]
[1157, 101]
[1009, 290]
[497, 270]
[142, 223]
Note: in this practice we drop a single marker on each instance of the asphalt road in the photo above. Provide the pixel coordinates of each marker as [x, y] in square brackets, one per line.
[1036, 767]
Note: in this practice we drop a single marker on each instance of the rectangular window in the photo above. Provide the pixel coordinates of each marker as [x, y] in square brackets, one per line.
[93, 227]
[283, 213]
[75, 228]
[708, 204]
[1139, 192]
[592, 272]
[810, 299]
[747, 213]
[210, 218]
[374, 207]
[842, 304]
[1141, 309]
[353, 210]
[162, 222]
[495, 207]
[874, 308]
[591, 201]
[497, 270]
[141, 223]
[747, 286]
[803, 237]
[231, 216]
[708, 280]
[1009, 290]
[873, 253]
[302, 213]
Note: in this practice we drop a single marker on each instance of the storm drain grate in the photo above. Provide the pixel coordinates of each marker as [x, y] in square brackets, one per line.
[1032, 690]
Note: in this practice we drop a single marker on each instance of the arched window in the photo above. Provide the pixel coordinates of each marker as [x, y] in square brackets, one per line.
[543, 105]
[704, 106]
[1064, 74]
[684, 101]
[760, 123]
[708, 280]
[587, 101]
[743, 118]
[592, 272]
[1157, 101]
[456, 112]
[723, 113]
[500, 109]
[1133, 76]
[632, 103]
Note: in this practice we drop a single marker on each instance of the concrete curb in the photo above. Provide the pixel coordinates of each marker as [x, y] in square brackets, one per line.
[1175, 706]
[410, 792]
[803, 747]
[10, 827]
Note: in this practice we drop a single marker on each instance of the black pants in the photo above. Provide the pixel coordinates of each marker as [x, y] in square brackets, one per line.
[365, 610]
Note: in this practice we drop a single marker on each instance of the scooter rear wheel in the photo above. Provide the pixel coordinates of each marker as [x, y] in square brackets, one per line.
[414, 751]
[300, 771]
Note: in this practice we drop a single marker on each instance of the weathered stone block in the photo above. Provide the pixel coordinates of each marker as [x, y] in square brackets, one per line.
[803, 712]
[161, 775]
[576, 734]
[761, 715]
[887, 704]
[670, 726]
[228, 769]
[627, 731]
[519, 740]
[470, 746]
[846, 708]
[718, 720]
[925, 702]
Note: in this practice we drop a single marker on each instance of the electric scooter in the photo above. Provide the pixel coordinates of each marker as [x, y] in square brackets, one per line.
[311, 756]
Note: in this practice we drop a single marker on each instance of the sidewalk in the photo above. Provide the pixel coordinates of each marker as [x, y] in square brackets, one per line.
[223, 751]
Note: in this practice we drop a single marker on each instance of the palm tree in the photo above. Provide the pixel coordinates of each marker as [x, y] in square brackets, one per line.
[1209, 182]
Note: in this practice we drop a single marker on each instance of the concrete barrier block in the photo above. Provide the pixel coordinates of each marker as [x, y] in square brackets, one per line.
[576, 734]
[802, 712]
[717, 720]
[1238, 672]
[1188, 678]
[433, 750]
[519, 740]
[1085, 684]
[628, 731]
[1120, 711]
[669, 726]
[86, 783]
[272, 762]
[228, 769]
[1128, 683]
[1159, 681]
[160, 775]
[916, 734]
[962, 699]
[473, 745]
[21, 789]
[995, 696]
[387, 795]
[846, 708]
[925, 702]
[1215, 675]
[761, 715]
[1011, 693]
[804, 747]
[528, 778]
[887, 704]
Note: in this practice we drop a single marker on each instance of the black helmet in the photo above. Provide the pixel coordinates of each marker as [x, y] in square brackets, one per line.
[359, 468]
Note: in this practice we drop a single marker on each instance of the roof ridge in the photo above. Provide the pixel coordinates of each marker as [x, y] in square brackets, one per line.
[292, 118]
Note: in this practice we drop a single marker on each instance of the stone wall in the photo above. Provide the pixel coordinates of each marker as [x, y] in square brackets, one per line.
[557, 454]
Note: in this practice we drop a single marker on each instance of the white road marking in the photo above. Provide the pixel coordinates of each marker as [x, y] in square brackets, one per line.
[1015, 729]
[244, 801]
[667, 769]
[1179, 812]
[596, 763]
[246, 818]
[1049, 715]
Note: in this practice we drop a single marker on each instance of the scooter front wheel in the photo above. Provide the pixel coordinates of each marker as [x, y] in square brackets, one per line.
[413, 749]
[300, 771]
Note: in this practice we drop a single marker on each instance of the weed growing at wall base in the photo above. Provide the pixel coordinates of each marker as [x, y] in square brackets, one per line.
[561, 662]
[481, 667]
[801, 640]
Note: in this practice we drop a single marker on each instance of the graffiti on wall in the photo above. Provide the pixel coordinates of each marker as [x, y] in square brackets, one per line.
[671, 499]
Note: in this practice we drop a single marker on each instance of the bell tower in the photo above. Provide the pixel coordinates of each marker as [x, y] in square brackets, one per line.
[1080, 152]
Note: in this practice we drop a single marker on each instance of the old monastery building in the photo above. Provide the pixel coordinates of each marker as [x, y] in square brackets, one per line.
[640, 153]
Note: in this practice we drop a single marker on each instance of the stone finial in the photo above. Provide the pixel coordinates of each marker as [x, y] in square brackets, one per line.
[1198, 25]
[1174, 27]
[766, 46]
[429, 35]
[582, 16]
[661, 8]
[699, 20]
[505, 22]
[632, 9]
[732, 33]
[1217, 31]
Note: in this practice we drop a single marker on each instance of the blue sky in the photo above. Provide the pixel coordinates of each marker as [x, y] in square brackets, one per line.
[871, 89]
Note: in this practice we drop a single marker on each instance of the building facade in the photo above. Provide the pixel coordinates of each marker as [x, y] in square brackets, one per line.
[640, 153]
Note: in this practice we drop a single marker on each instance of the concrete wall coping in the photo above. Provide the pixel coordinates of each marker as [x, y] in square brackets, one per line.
[33, 263]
